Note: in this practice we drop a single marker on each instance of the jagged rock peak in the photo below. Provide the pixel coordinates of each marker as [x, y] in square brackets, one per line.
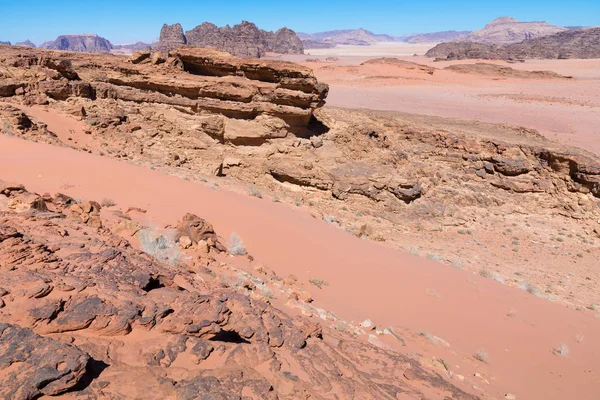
[171, 37]
[242, 40]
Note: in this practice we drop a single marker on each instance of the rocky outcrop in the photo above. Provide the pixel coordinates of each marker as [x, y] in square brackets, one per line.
[39, 366]
[171, 37]
[274, 97]
[79, 43]
[243, 40]
[582, 43]
[27, 43]
[101, 319]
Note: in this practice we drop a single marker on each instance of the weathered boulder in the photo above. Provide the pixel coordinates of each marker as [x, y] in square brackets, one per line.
[37, 366]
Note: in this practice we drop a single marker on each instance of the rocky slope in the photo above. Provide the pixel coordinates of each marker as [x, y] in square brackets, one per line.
[85, 313]
[243, 40]
[79, 43]
[506, 30]
[582, 44]
[204, 326]
[395, 169]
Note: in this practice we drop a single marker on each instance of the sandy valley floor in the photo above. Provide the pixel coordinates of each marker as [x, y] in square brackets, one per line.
[567, 110]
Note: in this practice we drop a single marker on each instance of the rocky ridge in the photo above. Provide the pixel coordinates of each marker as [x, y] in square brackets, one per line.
[581, 44]
[27, 43]
[243, 40]
[507, 30]
[232, 98]
[80, 43]
[355, 37]
[438, 37]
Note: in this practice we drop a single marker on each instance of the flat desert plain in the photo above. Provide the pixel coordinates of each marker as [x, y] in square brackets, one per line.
[567, 110]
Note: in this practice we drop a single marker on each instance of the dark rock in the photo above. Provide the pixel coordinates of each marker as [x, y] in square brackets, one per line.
[38, 366]
[171, 38]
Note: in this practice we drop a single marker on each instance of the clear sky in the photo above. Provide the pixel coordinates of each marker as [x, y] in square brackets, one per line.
[127, 21]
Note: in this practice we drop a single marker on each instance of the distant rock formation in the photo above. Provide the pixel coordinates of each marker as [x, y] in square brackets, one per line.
[437, 37]
[315, 44]
[507, 30]
[27, 43]
[582, 43]
[133, 47]
[171, 37]
[86, 43]
[356, 37]
[242, 40]
[6, 43]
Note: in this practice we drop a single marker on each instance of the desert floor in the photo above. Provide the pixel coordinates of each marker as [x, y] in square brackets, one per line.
[495, 338]
[567, 110]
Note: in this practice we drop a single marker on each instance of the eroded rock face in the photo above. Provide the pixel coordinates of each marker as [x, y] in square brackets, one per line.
[204, 81]
[121, 322]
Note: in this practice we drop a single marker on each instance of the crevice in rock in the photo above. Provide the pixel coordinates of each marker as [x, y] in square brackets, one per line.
[228, 337]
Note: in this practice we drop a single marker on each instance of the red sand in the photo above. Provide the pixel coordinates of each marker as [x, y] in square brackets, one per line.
[567, 110]
[366, 280]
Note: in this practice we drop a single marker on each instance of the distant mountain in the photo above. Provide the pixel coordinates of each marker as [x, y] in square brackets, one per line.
[132, 47]
[27, 43]
[507, 30]
[315, 44]
[581, 43]
[437, 37]
[6, 43]
[357, 37]
[242, 40]
[87, 43]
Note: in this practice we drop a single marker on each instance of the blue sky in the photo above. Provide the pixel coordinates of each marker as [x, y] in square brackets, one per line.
[127, 21]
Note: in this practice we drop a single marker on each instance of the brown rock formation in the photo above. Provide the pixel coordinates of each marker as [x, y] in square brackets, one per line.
[211, 83]
[171, 37]
[243, 40]
[91, 315]
[581, 43]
